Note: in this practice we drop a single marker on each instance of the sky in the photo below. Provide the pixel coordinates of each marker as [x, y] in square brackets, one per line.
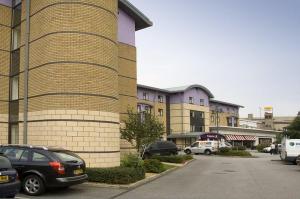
[245, 52]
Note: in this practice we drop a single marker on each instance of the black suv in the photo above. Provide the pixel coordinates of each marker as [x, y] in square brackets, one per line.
[9, 183]
[41, 167]
[161, 148]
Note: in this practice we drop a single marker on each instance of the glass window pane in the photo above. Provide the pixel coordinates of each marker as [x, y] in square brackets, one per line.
[15, 62]
[13, 154]
[14, 135]
[15, 88]
[17, 15]
[14, 111]
[16, 35]
[37, 157]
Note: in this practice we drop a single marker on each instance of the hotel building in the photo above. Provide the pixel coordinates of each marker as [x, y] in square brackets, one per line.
[68, 74]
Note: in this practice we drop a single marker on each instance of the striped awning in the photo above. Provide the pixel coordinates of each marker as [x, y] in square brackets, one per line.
[230, 137]
[240, 137]
[250, 137]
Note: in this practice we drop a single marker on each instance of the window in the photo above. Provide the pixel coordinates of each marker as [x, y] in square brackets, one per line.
[14, 111]
[212, 118]
[16, 38]
[292, 143]
[147, 109]
[191, 100]
[15, 88]
[15, 62]
[139, 108]
[13, 154]
[14, 134]
[196, 144]
[160, 99]
[25, 156]
[37, 157]
[17, 15]
[145, 96]
[67, 156]
[192, 128]
[161, 112]
[16, 2]
[201, 102]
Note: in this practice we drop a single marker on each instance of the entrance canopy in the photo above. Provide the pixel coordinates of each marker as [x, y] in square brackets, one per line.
[240, 137]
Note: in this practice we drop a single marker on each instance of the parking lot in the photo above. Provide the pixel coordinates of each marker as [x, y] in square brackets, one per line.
[208, 177]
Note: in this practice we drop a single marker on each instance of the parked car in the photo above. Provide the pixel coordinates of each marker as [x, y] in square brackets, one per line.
[161, 148]
[9, 182]
[290, 149]
[42, 167]
[267, 149]
[204, 147]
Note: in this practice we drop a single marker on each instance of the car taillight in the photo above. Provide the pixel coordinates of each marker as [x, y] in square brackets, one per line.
[58, 167]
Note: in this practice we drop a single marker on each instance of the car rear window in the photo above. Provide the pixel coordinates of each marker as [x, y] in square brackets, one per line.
[67, 156]
[4, 163]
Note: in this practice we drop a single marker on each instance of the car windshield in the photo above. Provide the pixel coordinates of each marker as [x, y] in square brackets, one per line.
[4, 163]
[67, 156]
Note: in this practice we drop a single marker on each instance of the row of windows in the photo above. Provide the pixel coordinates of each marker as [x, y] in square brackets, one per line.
[148, 110]
[191, 101]
[160, 98]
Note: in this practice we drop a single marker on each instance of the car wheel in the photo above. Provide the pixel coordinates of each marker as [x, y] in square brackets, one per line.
[33, 185]
[188, 151]
[207, 152]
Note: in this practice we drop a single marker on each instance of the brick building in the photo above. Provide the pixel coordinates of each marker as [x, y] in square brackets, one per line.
[67, 73]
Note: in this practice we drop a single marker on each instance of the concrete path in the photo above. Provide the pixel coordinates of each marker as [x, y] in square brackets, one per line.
[211, 177]
[208, 177]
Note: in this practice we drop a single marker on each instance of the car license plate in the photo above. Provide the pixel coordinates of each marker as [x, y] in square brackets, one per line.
[78, 171]
[4, 179]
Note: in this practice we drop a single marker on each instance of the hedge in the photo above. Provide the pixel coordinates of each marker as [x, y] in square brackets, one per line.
[234, 153]
[173, 158]
[239, 148]
[115, 175]
[153, 166]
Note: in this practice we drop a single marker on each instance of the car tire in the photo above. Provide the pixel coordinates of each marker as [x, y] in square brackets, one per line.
[207, 152]
[33, 185]
[188, 151]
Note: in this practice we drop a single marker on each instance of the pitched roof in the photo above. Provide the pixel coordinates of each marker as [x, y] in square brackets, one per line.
[141, 20]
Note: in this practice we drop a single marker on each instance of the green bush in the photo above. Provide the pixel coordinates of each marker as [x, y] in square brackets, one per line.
[132, 161]
[239, 148]
[224, 149]
[153, 166]
[115, 175]
[260, 147]
[173, 158]
[235, 153]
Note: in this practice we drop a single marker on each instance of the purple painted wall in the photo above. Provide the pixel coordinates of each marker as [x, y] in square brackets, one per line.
[126, 29]
[6, 2]
[197, 94]
[153, 95]
[225, 108]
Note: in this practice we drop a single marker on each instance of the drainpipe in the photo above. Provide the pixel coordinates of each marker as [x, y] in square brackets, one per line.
[27, 35]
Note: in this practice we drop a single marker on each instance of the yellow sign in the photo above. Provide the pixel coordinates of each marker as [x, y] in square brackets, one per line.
[268, 108]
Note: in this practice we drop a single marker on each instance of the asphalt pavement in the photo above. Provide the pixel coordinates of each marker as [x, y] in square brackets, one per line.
[208, 177]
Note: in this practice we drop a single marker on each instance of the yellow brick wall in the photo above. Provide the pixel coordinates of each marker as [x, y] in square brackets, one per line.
[180, 117]
[127, 87]
[222, 119]
[5, 39]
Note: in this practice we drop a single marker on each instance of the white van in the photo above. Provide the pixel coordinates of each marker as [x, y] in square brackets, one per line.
[290, 149]
[205, 147]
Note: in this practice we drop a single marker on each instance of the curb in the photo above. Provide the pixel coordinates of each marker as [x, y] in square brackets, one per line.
[138, 183]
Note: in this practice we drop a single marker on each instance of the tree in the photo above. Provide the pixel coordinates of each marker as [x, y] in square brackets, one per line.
[293, 130]
[141, 129]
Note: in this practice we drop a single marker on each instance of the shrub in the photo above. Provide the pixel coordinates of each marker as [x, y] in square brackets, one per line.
[153, 166]
[260, 147]
[115, 175]
[188, 157]
[132, 161]
[224, 149]
[235, 153]
[173, 158]
[239, 148]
